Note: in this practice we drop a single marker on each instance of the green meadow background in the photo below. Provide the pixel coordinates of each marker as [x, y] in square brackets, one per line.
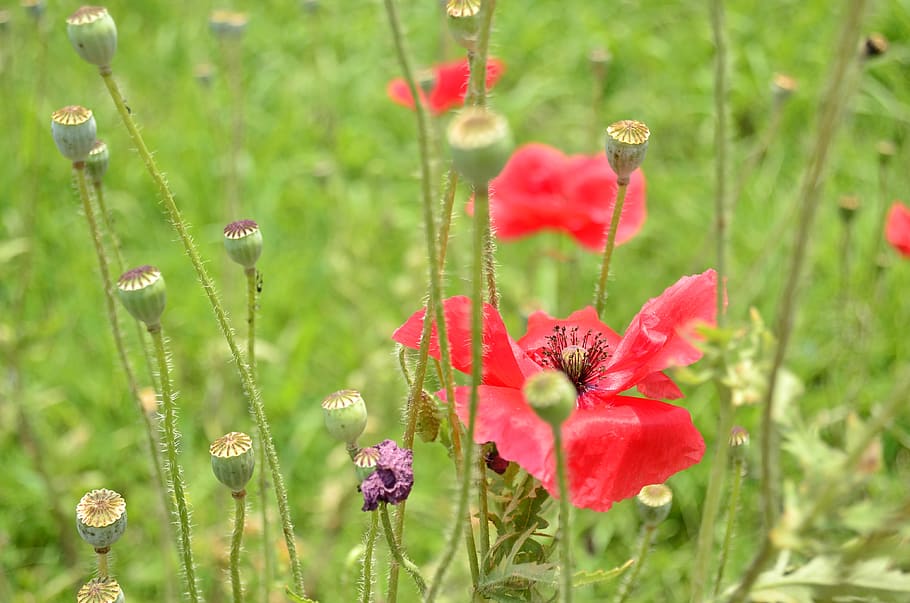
[329, 170]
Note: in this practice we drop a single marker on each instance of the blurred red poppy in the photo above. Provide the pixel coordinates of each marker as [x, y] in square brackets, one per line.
[897, 228]
[540, 188]
[614, 444]
[450, 85]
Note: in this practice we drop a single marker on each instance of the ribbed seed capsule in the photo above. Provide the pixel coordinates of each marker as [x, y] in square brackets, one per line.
[481, 143]
[462, 17]
[97, 161]
[93, 34]
[365, 462]
[73, 129]
[143, 294]
[243, 242]
[654, 503]
[627, 143]
[101, 518]
[233, 460]
[345, 415]
[100, 590]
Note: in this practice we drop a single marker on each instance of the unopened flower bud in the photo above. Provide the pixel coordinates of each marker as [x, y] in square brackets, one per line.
[243, 242]
[552, 396]
[143, 294]
[93, 34]
[481, 143]
[73, 128]
[365, 462]
[233, 460]
[96, 163]
[100, 590]
[654, 504]
[462, 17]
[345, 415]
[627, 143]
[101, 518]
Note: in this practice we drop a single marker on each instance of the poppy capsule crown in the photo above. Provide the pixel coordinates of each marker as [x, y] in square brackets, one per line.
[463, 19]
[627, 143]
[233, 460]
[100, 590]
[73, 128]
[243, 242]
[97, 161]
[143, 294]
[481, 143]
[101, 518]
[93, 34]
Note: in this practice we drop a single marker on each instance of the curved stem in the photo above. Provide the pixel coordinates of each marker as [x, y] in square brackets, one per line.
[172, 466]
[366, 579]
[395, 549]
[600, 295]
[628, 585]
[246, 378]
[565, 532]
[236, 541]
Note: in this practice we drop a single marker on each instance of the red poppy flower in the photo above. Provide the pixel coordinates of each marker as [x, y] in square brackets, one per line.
[614, 444]
[450, 87]
[897, 228]
[540, 188]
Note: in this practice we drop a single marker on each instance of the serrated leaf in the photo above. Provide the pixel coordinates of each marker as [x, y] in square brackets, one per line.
[295, 597]
[583, 578]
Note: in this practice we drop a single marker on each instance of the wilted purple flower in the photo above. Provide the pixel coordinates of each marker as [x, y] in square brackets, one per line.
[392, 480]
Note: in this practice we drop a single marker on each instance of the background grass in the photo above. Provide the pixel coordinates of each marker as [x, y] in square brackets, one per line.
[329, 171]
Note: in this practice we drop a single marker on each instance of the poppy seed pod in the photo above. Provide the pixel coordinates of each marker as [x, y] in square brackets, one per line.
[627, 143]
[233, 460]
[345, 415]
[101, 518]
[100, 590]
[463, 19]
[481, 144]
[97, 161]
[365, 462]
[654, 504]
[93, 34]
[243, 242]
[552, 396]
[73, 128]
[142, 292]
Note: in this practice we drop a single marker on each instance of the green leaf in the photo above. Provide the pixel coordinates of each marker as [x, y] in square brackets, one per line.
[583, 578]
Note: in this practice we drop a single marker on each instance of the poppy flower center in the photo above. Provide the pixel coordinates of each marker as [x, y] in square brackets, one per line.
[581, 358]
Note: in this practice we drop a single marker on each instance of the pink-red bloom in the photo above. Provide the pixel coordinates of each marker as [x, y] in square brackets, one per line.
[450, 85]
[897, 228]
[540, 188]
[615, 444]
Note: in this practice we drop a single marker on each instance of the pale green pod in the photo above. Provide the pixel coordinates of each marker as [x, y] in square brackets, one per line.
[101, 518]
[73, 128]
[233, 460]
[243, 242]
[93, 33]
[627, 143]
[97, 161]
[481, 143]
[463, 20]
[100, 590]
[142, 292]
[345, 415]
[365, 462]
[654, 503]
[552, 396]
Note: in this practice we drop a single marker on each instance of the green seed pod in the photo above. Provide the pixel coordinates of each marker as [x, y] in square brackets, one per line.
[4, 21]
[782, 87]
[97, 161]
[365, 462]
[552, 396]
[243, 242]
[143, 294]
[73, 128]
[627, 143]
[93, 33]
[345, 416]
[101, 518]
[481, 144]
[428, 420]
[236, 24]
[100, 590]
[738, 442]
[34, 8]
[233, 460]
[462, 18]
[654, 504]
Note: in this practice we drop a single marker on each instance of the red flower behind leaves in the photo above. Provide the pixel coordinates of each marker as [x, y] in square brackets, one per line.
[450, 88]
[614, 444]
[897, 228]
[540, 188]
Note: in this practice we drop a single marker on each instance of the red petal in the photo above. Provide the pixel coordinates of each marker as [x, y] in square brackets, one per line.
[657, 337]
[399, 92]
[541, 325]
[613, 452]
[897, 228]
[658, 385]
[452, 83]
[502, 360]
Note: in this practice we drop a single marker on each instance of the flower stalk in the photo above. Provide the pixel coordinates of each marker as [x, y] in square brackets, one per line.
[565, 534]
[236, 541]
[366, 578]
[397, 553]
[600, 294]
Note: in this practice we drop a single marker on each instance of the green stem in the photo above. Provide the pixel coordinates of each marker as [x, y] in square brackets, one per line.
[102, 562]
[600, 296]
[399, 556]
[445, 219]
[109, 224]
[172, 466]
[477, 82]
[236, 541]
[483, 513]
[565, 532]
[246, 377]
[644, 547]
[366, 593]
[738, 467]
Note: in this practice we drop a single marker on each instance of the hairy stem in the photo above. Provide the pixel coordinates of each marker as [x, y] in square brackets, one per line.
[236, 541]
[396, 551]
[565, 532]
[732, 508]
[644, 547]
[600, 295]
[366, 578]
